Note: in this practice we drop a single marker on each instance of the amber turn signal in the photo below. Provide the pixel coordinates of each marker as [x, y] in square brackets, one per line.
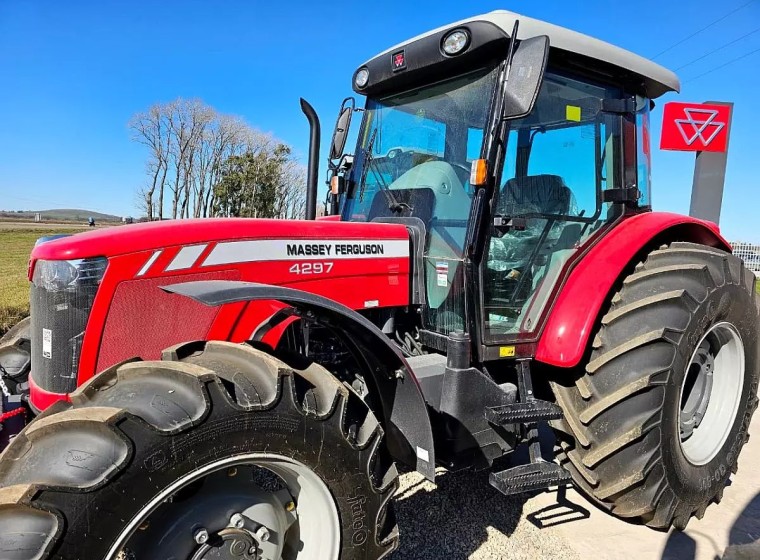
[478, 173]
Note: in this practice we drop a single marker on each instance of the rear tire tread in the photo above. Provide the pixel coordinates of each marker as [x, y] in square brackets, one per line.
[588, 444]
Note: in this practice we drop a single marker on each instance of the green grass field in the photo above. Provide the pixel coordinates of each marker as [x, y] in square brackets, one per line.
[15, 246]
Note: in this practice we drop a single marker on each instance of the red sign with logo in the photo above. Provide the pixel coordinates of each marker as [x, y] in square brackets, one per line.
[695, 127]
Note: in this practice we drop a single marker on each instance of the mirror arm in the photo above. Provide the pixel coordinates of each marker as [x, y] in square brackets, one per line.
[501, 90]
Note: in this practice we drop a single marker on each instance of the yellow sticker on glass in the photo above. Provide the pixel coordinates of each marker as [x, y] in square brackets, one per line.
[573, 113]
[506, 351]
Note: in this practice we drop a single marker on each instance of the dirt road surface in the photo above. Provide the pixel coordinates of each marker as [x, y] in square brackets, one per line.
[464, 518]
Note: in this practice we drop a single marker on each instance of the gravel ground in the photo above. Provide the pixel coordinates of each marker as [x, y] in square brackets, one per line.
[463, 517]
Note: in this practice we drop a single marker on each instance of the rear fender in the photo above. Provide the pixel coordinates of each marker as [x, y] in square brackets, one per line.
[592, 282]
[407, 425]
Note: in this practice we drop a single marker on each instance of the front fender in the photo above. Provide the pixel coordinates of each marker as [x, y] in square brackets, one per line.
[589, 285]
[407, 422]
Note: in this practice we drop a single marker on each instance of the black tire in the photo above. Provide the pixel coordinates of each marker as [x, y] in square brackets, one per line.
[15, 354]
[18, 331]
[71, 482]
[620, 437]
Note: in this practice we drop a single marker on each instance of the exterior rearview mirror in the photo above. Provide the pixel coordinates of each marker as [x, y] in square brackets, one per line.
[340, 134]
[525, 76]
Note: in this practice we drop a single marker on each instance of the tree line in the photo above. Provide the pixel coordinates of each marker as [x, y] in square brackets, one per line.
[202, 163]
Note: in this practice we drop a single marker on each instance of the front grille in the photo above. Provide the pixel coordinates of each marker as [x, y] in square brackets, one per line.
[60, 307]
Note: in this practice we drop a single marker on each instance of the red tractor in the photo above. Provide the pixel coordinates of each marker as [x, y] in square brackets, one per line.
[490, 261]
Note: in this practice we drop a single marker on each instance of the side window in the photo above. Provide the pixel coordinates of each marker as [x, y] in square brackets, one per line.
[569, 152]
[643, 152]
[474, 142]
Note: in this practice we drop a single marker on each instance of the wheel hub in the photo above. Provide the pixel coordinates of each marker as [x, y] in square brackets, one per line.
[252, 507]
[229, 544]
[695, 396]
[711, 393]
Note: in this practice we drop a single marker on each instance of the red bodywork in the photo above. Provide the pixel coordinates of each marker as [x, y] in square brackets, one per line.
[132, 316]
[587, 288]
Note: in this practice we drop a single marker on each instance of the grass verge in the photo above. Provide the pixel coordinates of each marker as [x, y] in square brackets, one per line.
[15, 246]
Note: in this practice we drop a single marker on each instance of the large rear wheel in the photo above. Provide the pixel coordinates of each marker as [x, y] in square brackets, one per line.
[218, 451]
[654, 426]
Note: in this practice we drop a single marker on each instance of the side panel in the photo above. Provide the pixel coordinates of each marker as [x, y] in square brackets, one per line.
[132, 316]
[589, 285]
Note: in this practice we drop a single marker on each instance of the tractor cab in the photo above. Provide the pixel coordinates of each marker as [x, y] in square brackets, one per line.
[509, 143]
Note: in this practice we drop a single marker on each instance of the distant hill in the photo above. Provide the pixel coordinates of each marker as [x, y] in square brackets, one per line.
[65, 214]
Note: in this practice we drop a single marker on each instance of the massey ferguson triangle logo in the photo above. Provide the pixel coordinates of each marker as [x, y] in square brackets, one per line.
[398, 60]
[695, 127]
[699, 124]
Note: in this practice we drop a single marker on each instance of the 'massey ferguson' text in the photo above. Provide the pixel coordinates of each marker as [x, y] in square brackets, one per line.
[330, 249]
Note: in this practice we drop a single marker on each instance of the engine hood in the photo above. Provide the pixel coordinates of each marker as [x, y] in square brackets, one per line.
[120, 240]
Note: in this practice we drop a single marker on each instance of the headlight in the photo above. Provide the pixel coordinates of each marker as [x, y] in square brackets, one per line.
[59, 276]
[361, 78]
[62, 296]
[455, 42]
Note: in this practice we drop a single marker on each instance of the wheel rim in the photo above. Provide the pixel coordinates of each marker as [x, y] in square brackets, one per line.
[258, 506]
[710, 393]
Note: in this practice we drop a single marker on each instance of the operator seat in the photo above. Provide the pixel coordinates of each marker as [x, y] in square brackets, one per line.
[546, 194]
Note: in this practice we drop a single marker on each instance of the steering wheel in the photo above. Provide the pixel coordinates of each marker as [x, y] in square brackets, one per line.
[462, 171]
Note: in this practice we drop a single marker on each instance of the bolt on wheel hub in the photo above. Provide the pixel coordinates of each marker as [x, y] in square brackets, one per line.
[228, 544]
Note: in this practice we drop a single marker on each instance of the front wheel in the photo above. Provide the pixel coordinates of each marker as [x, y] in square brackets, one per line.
[653, 428]
[218, 451]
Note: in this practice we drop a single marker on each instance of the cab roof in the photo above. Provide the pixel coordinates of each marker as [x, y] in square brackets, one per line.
[658, 80]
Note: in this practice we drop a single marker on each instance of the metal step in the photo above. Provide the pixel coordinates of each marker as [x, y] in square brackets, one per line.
[523, 412]
[533, 476]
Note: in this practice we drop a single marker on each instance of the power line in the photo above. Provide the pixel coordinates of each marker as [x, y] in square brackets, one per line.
[718, 49]
[708, 26]
[745, 55]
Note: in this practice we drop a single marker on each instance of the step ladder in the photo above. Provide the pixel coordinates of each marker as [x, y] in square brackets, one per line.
[527, 412]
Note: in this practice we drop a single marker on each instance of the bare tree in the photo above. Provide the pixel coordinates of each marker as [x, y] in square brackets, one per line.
[192, 146]
[149, 129]
[186, 122]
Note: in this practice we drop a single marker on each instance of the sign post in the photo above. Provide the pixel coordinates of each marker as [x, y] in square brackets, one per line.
[704, 129]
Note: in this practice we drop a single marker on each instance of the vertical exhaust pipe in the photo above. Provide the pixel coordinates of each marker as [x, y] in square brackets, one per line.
[312, 172]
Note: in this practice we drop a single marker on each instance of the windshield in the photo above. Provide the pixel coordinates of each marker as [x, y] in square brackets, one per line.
[413, 160]
[415, 151]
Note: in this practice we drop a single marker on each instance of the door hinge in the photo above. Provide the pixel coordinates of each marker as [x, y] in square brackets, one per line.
[619, 106]
[628, 195]
[505, 223]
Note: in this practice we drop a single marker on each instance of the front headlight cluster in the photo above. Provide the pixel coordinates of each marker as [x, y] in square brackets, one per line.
[68, 276]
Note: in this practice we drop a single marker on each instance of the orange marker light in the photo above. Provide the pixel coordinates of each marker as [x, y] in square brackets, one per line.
[334, 185]
[478, 172]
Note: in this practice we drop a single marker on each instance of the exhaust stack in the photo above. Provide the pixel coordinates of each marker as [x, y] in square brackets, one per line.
[313, 169]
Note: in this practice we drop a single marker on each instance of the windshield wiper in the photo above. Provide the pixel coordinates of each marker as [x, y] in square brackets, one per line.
[393, 204]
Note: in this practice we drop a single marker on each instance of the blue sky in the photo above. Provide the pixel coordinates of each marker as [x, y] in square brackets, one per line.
[72, 74]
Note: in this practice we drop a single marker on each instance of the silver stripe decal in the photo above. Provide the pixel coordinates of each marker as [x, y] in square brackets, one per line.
[186, 257]
[149, 262]
[305, 249]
